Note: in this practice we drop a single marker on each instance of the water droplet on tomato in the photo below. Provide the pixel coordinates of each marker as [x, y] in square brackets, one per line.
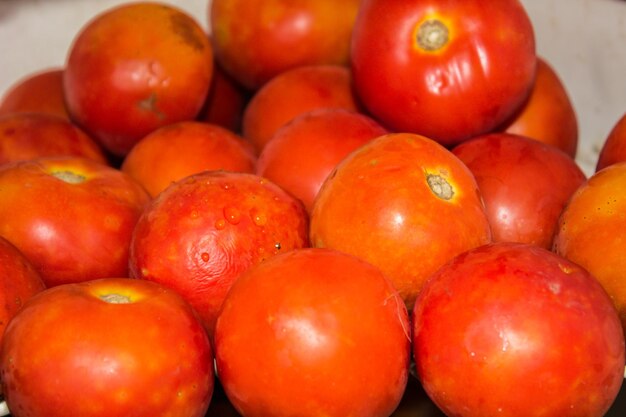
[205, 256]
[232, 215]
[220, 224]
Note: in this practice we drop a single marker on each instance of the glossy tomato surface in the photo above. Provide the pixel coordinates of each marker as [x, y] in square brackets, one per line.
[548, 115]
[175, 151]
[30, 135]
[302, 153]
[40, 92]
[313, 332]
[404, 203]
[592, 231]
[295, 92]
[108, 347]
[72, 217]
[255, 40]
[203, 231]
[136, 67]
[503, 328]
[525, 184]
[614, 147]
[446, 70]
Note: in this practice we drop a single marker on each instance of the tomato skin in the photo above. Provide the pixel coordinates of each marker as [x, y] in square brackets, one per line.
[147, 357]
[525, 184]
[25, 136]
[72, 217]
[548, 115]
[514, 315]
[200, 233]
[467, 87]
[303, 152]
[255, 40]
[614, 147]
[591, 231]
[313, 332]
[136, 67]
[386, 203]
[40, 92]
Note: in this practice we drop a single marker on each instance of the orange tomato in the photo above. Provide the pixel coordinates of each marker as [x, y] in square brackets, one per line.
[404, 203]
[548, 115]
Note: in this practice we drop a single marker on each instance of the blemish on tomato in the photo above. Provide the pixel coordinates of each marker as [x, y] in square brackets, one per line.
[115, 298]
[150, 104]
[432, 35]
[440, 186]
[68, 177]
[181, 25]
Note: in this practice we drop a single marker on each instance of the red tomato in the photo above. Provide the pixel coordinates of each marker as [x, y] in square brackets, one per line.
[25, 136]
[72, 217]
[313, 332]
[592, 231]
[614, 147]
[447, 70]
[302, 153]
[107, 347]
[134, 68]
[293, 93]
[175, 151]
[548, 115]
[40, 92]
[225, 101]
[203, 231]
[255, 40]
[514, 330]
[19, 280]
[525, 184]
[405, 204]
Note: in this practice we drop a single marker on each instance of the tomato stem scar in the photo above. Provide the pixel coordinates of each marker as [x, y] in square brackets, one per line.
[114, 298]
[69, 176]
[432, 35]
[440, 186]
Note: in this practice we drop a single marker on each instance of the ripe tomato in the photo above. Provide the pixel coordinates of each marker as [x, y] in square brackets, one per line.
[39, 92]
[614, 147]
[203, 231]
[72, 217]
[548, 115]
[19, 280]
[180, 149]
[303, 152]
[405, 204]
[446, 70]
[292, 93]
[25, 136]
[313, 332]
[136, 67]
[255, 40]
[225, 101]
[525, 184]
[107, 347]
[501, 329]
[592, 231]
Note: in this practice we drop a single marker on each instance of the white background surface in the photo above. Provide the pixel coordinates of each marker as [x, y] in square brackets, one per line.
[584, 40]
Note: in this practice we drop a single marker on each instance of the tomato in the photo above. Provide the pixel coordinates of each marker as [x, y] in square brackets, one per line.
[19, 280]
[107, 347]
[180, 149]
[293, 93]
[592, 231]
[446, 70]
[203, 231]
[39, 92]
[225, 101]
[548, 115]
[525, 184]
[405, 204]
[25, 136]
[313, 332]
[255, 40]
[614, 147]
[514, 330]
[136, 67]
[303, 152]
[72, 217]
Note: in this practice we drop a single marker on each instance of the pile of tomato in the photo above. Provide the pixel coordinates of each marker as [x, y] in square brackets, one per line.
[319, 208]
